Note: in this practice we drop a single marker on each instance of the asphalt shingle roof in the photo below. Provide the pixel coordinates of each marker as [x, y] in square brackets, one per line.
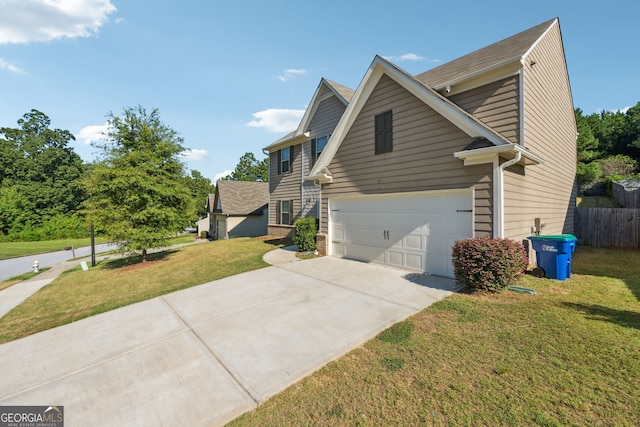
[241, 197]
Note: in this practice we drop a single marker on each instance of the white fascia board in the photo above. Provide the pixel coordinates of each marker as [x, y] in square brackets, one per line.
[489, 154]
[493, 73]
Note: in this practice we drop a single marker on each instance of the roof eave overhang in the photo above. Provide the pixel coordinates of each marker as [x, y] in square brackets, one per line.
[283, 143]
[489, 154]
[493, 73]
[322, 178]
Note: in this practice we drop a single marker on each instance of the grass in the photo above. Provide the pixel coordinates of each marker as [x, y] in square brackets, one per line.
[15, 249]
[596, 202]
[78, 294]
[566, 356]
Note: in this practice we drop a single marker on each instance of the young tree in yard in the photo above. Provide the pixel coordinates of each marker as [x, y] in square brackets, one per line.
[137, 191]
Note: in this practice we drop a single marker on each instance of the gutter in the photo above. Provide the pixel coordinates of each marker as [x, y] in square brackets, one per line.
[498, 175]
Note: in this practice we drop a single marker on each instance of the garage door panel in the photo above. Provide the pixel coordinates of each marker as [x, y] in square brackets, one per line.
[414, 231]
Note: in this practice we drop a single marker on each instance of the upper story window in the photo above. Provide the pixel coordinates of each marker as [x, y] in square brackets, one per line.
[285, 157]
[384, 132]
[317, 145]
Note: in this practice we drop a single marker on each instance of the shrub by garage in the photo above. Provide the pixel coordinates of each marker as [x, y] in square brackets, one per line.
[305, 234]
[486, 264]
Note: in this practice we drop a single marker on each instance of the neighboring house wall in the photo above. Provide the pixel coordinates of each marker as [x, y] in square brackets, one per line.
[204, 225]
[422, 157]
[495, 104]
[545, 191]
[247, 226]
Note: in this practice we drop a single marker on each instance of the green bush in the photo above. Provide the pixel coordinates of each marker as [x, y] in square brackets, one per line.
[305, 235]
[488, 264]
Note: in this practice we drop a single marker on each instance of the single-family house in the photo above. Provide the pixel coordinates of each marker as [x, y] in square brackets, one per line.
[484, 145]
[240, 209]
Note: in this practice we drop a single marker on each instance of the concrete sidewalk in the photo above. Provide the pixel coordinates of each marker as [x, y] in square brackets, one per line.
[204, 355]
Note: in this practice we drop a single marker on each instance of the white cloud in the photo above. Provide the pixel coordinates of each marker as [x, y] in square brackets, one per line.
[409, 57]
[89, 134]
[195, 154]
[221, 175]
[292, 73]
[277, 120]
[6, 66]
[24, 21]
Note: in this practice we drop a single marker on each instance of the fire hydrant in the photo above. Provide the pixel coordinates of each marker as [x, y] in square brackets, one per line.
[36, 266]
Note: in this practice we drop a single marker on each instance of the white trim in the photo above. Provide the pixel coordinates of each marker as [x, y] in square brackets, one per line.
[521, 102]
[533, 46]
[486, 155]
[497, 199]
[490, 74]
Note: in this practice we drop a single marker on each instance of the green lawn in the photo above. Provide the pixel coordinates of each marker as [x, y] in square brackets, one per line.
[596, 202]
[568, 356]
[14, 249]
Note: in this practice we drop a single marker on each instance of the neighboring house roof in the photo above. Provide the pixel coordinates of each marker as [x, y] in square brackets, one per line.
[239, 198]
[505, 56]
[325, 89]
[211, 203]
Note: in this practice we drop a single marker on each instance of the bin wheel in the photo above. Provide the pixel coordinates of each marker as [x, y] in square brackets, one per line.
[538, 272]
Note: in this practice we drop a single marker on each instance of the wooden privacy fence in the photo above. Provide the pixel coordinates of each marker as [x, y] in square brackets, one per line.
[608, 227]
[626, 193]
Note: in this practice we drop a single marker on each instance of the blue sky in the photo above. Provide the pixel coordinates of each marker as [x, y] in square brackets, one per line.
[233, 76]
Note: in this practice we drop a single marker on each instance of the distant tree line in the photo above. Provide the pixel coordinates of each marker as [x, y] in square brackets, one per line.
[608, 147]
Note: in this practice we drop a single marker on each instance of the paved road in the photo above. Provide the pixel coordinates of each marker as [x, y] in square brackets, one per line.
[16, 266]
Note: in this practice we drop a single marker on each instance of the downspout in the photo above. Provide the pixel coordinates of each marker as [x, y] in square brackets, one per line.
[499, 191]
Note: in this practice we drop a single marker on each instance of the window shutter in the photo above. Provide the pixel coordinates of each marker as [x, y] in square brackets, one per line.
[291, 159]
[278, 210]
[313, 151]
[290, 212]
[279, 162]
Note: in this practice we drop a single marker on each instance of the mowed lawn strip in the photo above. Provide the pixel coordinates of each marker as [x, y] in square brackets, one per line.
[15, 249]
[566, 356]
[78, 294]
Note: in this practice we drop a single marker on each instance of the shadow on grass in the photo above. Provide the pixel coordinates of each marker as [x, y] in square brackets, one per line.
[137, 259]
[279, 242]
[626, 318]
[623, 264]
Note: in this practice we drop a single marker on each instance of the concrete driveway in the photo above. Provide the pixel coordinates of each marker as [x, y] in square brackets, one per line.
[205, 355]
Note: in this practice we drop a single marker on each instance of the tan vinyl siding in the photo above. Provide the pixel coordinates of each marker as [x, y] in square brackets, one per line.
[291, 185]
[422, 157]
[284, 186]
[495, 104]
[545, 191]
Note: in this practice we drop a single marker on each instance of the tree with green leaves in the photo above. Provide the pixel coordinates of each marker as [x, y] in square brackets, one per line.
[137, 191]
[250, 169]
[38, 163]
[200, 188]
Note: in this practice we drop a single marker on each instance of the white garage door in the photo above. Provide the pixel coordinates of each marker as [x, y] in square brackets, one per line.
[413, 231]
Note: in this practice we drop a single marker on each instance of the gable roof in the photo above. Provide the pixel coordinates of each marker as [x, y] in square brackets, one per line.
[210, 204]
[326, 88]
[506, 51]
[241, 197]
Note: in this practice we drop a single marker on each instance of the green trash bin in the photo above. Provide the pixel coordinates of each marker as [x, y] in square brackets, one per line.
[554, 254]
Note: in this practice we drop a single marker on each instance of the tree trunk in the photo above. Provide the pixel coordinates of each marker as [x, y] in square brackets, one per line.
[144, 255]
